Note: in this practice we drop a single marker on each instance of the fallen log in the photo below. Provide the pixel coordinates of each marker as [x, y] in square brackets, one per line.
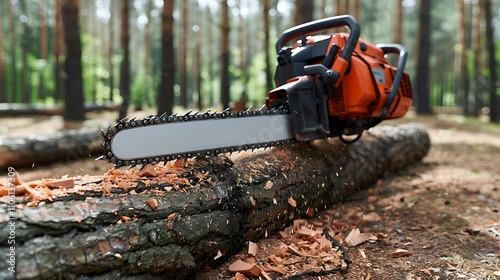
[17, 109]
[65, 146]
[168, 222]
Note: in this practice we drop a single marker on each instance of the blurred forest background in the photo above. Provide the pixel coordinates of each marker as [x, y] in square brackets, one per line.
[134, 54]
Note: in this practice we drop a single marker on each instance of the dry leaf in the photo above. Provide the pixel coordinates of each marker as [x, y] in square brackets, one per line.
[292, 202]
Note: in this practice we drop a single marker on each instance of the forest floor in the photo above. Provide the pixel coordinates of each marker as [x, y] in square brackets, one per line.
[438, 220]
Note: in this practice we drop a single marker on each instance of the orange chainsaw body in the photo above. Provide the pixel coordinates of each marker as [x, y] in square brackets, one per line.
[338, 85]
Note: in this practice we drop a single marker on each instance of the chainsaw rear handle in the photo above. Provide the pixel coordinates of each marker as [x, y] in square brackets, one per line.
[403, 55]
[323, 24]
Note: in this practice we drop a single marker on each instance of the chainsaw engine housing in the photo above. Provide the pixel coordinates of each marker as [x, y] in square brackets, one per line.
[327, 100]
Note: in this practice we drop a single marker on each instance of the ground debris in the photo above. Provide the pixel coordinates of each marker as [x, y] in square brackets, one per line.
[398, 253]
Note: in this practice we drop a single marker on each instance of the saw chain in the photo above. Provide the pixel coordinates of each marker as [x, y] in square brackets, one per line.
[155, 120]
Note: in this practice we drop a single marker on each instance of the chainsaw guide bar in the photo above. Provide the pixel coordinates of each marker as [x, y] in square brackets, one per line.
[156, 139]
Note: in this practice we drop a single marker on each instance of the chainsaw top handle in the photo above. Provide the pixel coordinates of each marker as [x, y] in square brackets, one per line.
[320, 25]
[330, 74]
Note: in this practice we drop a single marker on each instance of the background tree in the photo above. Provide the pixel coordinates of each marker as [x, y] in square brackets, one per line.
[463, 77]
[224, 55]
[43, 50]
[58, 51]
[492, 87]
[73, 96]
[398, 26]
[421, 84]
[166, 89]
[182, 50]
[13, 54]
[3, 76]
[304, 11]
[25, 40]
[111, 50]
[125, 64]
[265, 15]
[477, 56]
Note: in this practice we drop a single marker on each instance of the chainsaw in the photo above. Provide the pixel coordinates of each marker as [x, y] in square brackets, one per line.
[335, 85]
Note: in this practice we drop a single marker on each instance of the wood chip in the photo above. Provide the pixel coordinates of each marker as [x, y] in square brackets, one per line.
[252, 200]
[370, 218]
[277, 269]
[147, 171]
[265, 275]
[401, 253]
[115, 171]
[239, 276]
[219, 254]
[284, 234]
[172, 216]
[17, 179]
[362, 253]
[307, 232]
[153, 203]
[269, 185]
[64, 183]
[249, 270]
[297, 223]
[252, 248]
[354, 238]
[292, 202]
[310, 212]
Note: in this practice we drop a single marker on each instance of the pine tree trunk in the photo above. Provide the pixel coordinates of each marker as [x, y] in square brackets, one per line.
[3, 75]
[175, 223]
[73, 93]
[13, 46]
[125, 64]
[224, 55]
[166, 88]
[492, 87]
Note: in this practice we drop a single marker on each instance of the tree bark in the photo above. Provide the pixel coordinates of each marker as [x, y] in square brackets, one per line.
[175, 223]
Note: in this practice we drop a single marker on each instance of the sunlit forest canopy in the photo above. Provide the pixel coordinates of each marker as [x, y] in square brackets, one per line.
[33, 48]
